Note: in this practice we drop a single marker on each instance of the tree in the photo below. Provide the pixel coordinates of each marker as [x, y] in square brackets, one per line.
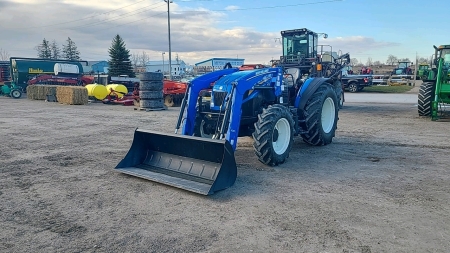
[56, 52]
[70, 51]
[377, 63]
[391, 60]
[369, 62]
[4, 56]
[135, 60]
[423, 60]
[44, 50]
[119, 62]
[354, 62]
[144, 58]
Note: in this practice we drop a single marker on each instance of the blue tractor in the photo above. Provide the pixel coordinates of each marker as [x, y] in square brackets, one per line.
[272, 105]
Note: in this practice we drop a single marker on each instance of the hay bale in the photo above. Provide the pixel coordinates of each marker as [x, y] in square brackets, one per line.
[40, 92]
[31, 92]
[72, 95]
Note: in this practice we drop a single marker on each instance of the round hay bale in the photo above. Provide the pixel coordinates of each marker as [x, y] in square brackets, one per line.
[151, 76]
[151, 104]
[149, 95]
[151, 86]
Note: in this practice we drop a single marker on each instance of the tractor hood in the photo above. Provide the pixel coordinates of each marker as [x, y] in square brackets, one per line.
[256, 77]
[225, 83]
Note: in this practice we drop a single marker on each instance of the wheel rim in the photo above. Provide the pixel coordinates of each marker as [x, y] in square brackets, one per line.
[168, 101]
[282, 134]
[16, 93]
[352, 88]
[328, 115]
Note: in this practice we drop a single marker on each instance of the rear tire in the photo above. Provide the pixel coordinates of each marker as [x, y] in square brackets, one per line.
[149, 95]
[15, 93]
[151, 104]
[425, 98]
[151, 76]
[168, 101]
[353, 87]
[320, 117]
[273, 135]
[151, 86]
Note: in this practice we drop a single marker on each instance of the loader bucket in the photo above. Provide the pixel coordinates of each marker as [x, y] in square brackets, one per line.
[191, 163]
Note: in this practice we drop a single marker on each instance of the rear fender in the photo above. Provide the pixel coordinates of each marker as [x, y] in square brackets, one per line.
[308, 88]
[194, 88]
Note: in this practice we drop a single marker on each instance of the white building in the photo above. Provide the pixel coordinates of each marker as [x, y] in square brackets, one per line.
[216, 64]
[178, 67]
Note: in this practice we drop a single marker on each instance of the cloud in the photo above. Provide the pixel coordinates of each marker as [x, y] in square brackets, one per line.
[357, 44]
[195, 35]
[231, 8]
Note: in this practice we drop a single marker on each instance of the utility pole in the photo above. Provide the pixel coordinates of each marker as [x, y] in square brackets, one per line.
[168, 26]
[163, 53]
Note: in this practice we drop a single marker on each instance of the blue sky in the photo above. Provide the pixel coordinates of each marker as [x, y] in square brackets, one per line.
[410, 23]
[201, 29]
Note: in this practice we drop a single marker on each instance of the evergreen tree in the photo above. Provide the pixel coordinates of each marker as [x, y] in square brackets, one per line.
[119, 62]
[70, 51]
[56, 52]
[44, 50]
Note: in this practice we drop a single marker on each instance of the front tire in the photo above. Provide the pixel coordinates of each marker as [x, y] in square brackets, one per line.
[425, 98]
[320, 115]
[341, 100]
[339, 94]
[273, 135]
[203, 127]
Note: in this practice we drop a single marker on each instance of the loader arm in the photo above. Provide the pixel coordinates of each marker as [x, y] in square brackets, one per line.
[194, 88]
[255, 80]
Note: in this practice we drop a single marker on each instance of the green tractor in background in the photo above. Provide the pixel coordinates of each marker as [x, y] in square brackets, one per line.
[422, 71]
[434, 93]
[10, 89]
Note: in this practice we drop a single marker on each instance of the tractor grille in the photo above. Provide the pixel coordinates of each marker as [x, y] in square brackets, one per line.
[219, 97]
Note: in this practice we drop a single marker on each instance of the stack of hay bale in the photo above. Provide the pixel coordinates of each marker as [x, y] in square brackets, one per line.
[40, 92]
[71, 95]
[151, 91]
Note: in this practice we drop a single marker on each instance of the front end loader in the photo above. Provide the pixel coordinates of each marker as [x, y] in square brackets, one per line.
[434, 93]
[267, 104]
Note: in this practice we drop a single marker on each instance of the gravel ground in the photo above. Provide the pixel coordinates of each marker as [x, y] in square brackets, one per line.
[383, 185]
